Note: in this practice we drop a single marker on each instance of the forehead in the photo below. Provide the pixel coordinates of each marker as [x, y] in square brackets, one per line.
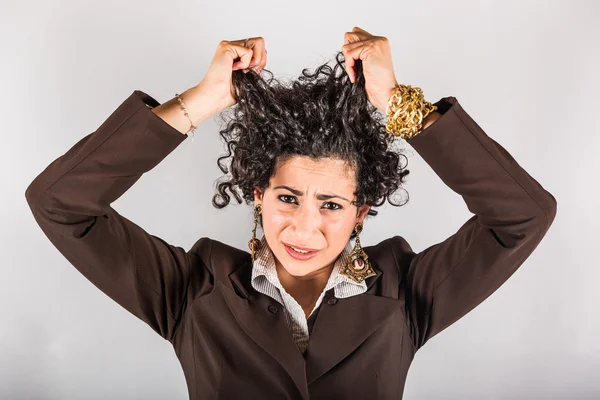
[303, 170]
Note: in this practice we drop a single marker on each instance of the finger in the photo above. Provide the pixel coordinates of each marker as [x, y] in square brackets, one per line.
[358, 52]
[357, 29]
[351, 37]
[259, 54]
[260, 60]
[350, 67]
[258, 50]
[351, 53]
[239, 65]
[356, 35]
[351, 46]
[264, 60]
[244, 54]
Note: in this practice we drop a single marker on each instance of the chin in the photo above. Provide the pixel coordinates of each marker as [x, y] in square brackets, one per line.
[297, 272]
[295, 267]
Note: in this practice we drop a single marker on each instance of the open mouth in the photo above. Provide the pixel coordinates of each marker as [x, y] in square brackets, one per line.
[299, 254]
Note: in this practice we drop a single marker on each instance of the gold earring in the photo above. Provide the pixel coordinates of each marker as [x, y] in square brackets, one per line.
[254, 243]
[358, 267]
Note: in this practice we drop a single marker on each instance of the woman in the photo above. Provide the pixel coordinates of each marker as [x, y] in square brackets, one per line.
[307, 312]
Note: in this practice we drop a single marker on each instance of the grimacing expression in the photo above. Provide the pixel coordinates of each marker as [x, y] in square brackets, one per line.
[307, 204]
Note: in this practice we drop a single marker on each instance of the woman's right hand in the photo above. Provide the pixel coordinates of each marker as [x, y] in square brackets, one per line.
[217, 80]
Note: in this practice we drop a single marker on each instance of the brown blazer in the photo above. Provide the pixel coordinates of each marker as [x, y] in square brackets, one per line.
[232, 341]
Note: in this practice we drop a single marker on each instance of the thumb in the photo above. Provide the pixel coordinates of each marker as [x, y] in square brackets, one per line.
[245, 56]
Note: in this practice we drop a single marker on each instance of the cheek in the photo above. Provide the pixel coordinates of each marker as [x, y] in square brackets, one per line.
[274, 221]
[339, 224]
[338, 232]
[331, 225]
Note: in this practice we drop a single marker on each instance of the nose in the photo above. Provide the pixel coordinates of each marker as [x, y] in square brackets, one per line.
[306, 221]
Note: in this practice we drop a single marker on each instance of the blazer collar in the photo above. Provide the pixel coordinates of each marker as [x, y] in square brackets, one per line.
[264, 265]
[341, 325]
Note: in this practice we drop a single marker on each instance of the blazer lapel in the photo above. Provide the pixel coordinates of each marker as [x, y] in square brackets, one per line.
[338, 330]
[268, 330]
[342, 326]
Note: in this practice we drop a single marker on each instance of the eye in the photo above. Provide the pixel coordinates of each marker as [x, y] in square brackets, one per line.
[335, 205]
[292, 200]
[283, 198]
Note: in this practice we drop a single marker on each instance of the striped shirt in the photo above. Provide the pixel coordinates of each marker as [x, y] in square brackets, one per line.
[266, 281]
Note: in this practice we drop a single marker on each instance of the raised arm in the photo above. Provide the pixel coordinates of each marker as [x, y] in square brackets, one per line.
[71, 201]
[512, 213]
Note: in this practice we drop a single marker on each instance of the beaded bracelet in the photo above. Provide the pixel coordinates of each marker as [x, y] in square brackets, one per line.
[193, 128]
[406, 110]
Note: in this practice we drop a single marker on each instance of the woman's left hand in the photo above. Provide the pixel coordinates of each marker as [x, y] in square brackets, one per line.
[376, 56]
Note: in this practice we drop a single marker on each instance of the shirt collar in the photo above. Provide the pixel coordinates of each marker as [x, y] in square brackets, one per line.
[264, 266]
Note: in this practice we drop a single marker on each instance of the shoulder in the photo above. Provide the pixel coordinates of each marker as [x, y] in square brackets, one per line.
[393, 254]
[218, 257]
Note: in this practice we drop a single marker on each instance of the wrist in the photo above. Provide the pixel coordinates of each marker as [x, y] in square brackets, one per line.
[430, 119]
[383, 100]
[198, 104]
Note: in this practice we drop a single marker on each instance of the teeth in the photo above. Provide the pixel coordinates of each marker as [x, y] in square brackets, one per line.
[300, 251]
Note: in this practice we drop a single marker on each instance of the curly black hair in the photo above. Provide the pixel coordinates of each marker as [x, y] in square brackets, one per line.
[321, 114]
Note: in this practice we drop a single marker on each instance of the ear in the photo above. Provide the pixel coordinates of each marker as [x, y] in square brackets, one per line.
[258, 195]
[362, 213]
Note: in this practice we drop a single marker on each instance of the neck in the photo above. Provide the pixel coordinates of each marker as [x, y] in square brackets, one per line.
[305, 289]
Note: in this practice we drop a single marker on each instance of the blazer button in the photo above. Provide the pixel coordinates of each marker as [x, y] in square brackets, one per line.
[272, 309]
[332, 301]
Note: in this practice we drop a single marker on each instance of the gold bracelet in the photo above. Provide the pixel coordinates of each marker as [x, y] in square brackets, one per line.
[406, 110]
[193, 128]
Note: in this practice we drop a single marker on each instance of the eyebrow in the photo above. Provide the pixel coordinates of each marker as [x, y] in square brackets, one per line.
[320, 196]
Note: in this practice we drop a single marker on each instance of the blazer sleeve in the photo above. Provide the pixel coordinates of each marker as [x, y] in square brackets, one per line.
[512, 213]
[71, 201]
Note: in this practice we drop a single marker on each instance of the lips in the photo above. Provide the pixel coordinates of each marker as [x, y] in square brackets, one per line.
[299, 247]
[300, 256]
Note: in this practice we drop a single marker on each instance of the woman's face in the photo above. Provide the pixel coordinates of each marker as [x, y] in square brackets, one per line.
[307, 205]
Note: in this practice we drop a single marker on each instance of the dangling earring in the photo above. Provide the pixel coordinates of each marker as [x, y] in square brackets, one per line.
[358, 267]
[254, 243]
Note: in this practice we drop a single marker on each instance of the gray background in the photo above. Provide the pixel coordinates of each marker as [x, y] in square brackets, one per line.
[526, 71]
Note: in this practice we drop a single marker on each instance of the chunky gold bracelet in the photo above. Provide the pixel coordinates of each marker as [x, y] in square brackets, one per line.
[406, 110]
